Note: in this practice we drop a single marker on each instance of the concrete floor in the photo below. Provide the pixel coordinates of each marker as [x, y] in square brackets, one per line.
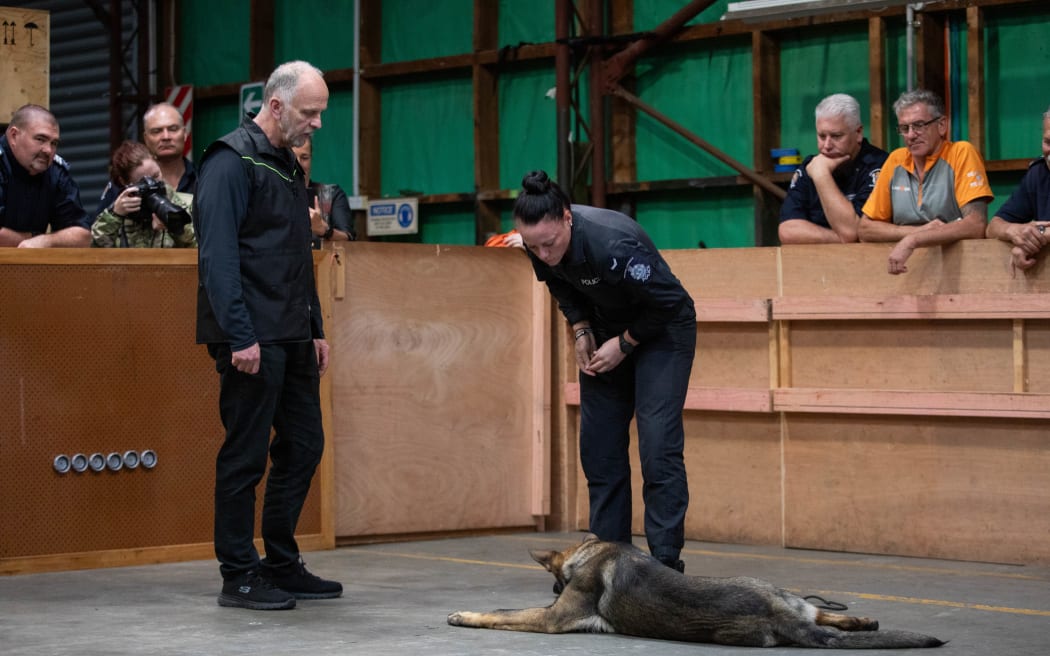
[398, 595]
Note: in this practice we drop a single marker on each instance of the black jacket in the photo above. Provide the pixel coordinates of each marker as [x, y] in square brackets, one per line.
[613, 275]
[255, 264]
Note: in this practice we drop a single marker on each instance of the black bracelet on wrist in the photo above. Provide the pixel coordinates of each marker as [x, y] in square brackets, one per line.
[328, 233]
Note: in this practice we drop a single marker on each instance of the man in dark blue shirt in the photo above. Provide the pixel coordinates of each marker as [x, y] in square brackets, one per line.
[1024, 217]
[36, 190]
[828, 191]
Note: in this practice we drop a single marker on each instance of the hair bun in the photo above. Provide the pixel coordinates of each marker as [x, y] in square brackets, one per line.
[536, 182]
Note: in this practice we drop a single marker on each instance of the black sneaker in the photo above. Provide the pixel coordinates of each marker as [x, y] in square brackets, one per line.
[298, 581]
[254, 592]
[675, 564]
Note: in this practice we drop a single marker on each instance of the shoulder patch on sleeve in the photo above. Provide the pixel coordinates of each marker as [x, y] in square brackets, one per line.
[874, 175]
[61, 162]
[638, 270]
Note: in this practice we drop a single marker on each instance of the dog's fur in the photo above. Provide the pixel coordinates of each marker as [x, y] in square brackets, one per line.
[617, 588]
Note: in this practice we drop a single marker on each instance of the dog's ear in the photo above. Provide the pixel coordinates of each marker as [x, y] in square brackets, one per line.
[590, 537]
[545, 558]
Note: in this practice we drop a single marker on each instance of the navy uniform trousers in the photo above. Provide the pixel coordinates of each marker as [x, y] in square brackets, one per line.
[651, 383]
[285, 397]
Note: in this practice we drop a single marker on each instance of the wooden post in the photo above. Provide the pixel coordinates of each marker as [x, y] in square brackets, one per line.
[486, 120]
[370, 49]
[261, 52]
[877, 129]
[765, 84]
[975, 77]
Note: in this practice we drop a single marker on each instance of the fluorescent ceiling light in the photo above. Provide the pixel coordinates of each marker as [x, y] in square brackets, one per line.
[755, 10]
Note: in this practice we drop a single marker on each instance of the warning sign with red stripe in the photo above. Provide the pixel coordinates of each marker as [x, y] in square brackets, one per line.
[182, 98]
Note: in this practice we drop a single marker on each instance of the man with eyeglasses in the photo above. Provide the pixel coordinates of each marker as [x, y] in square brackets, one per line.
[1023, 219]
[930, 192]
[830, 188]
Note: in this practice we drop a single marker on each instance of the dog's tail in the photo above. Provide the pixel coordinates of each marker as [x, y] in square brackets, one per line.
[879, 640]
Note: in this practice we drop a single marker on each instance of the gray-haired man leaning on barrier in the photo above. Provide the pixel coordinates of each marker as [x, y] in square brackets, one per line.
[828, 191]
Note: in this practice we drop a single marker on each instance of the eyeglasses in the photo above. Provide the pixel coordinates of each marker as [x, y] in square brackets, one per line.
[916, 126]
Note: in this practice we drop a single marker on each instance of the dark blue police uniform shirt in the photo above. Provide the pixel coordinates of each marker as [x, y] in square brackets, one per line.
[855, 179]
[613, 275]
[1031, 200]
[29, 203]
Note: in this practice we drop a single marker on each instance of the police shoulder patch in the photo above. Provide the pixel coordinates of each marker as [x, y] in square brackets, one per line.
[874, 176]
[639, 271]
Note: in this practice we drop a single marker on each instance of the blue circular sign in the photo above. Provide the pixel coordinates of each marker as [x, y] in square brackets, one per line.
[404, 215]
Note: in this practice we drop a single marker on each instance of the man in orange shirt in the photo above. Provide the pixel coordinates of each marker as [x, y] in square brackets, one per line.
[932, 191]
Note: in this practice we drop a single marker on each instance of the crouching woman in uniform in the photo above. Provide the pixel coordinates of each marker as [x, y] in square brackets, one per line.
[635, 331]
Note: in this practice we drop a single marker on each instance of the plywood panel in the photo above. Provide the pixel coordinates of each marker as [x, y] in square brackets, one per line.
[731, 355]
[1037, 356]
[432, 389]
[99, 358]
[901, 355]
[733, 466]
[745, 273]
[972, 489]
[976, 266]
[25, 66]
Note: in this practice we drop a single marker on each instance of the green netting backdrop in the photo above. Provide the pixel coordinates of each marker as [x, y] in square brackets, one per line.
[427, 122]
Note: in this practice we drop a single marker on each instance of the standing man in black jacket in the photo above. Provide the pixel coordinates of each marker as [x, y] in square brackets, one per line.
[259, 314]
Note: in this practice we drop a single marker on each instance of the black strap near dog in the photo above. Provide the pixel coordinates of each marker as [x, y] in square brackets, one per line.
[824, 604]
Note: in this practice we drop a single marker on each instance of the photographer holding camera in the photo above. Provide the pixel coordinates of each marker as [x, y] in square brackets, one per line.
[147, 213]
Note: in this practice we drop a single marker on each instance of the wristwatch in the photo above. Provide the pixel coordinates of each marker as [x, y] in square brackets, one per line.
[625, 347]
[328, 233]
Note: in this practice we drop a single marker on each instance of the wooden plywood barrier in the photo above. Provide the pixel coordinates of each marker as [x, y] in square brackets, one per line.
[441, 392]
[97, 357]
[25, 59]
[832, 405]
[891, 414]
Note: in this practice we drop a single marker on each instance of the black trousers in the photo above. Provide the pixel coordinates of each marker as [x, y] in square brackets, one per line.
[282, 400]
[651, 383]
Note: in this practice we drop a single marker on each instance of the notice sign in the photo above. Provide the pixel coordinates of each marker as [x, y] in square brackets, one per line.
[393, 216]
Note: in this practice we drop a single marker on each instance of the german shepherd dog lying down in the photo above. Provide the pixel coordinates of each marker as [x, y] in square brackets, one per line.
[611, 587]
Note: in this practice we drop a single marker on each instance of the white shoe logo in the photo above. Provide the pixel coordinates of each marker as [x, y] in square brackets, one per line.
[244, 589]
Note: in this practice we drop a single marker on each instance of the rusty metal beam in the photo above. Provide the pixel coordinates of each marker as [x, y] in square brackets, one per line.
[620, 64]
[760, 180]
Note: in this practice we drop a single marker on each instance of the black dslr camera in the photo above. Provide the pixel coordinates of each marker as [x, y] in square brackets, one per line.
[155, 200]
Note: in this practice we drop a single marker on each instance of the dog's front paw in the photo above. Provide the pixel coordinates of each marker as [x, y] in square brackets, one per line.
[459, 618]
